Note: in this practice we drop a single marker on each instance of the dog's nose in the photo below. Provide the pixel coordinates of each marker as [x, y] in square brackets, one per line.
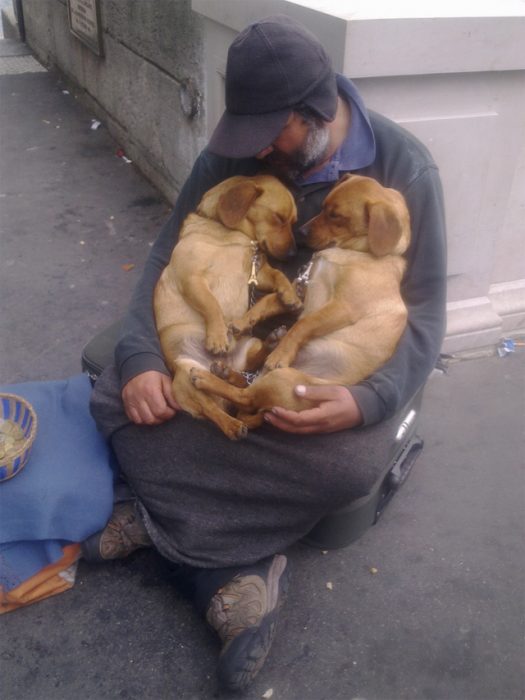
[292, 250]
[304, 229]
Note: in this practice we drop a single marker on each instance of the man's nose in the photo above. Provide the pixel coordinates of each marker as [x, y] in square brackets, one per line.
[265, 152]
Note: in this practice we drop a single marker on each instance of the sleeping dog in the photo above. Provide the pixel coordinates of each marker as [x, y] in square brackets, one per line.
[221, 249]
[353, 314]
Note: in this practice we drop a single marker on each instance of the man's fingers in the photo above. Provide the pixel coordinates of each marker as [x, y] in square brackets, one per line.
[148, 399]
[142, 414]
[336, 410]
[298, 418]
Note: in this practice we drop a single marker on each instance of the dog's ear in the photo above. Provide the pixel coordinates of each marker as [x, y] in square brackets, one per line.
[234, 204]
[385, 228]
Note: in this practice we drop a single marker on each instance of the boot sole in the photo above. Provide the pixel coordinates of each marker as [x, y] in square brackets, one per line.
[244, 657]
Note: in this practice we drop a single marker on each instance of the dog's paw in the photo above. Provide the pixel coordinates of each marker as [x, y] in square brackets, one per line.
[197, 377]
[294, 305]
[218, 343]
[291, 299]
[241, 326]
[236, 430]
[273, 339]
[275, 360]
[220, 369]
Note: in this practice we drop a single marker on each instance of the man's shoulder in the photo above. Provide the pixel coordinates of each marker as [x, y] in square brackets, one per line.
[400, 156]
[389, 134]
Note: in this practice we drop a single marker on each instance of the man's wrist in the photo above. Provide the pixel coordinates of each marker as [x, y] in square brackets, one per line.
[371, 406]
[140, 363]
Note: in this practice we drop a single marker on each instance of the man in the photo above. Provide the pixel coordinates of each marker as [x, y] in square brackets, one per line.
[224, 512]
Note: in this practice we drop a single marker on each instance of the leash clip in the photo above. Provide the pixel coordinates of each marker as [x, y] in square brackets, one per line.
[252, 281]
[302, 280]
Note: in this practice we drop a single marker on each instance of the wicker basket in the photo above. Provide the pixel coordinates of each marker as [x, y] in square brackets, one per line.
[19, 413]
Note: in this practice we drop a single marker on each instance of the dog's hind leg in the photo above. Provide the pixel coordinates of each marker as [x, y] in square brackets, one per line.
[201, 405]
[258, 352]
[228, 374]
[206, 381]
[251, 420]
[232, 427]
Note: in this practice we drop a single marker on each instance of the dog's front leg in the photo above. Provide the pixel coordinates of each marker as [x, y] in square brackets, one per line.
[325, 320]
[272, 280]
[282, 298]
[198, 295]
[268, 306]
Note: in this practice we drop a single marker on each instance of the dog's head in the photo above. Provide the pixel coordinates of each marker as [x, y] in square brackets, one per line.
[361, 214]
[261, 207]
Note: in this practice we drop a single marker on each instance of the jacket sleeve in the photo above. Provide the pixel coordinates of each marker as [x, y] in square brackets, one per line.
[138, 349]
[424, 292]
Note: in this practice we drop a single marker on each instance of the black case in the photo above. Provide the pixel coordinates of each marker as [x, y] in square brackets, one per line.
[343, 526]
[99, 352]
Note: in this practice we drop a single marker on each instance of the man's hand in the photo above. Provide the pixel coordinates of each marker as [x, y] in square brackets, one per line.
[148, 399]
[337, 410]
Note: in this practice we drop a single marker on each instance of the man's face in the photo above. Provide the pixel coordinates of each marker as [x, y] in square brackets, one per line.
[301, 145]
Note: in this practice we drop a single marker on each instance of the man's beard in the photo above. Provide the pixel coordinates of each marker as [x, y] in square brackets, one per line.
[313, 152]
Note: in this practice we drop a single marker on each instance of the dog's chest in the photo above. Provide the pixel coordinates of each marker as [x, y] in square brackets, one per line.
[227, 274]
[321, 284]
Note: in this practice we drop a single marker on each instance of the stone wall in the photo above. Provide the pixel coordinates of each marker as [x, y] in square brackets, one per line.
[147, 87]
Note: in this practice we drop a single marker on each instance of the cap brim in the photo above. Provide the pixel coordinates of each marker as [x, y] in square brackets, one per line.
[245, 135]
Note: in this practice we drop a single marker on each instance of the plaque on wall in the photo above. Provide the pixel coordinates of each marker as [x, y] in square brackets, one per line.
[84, 23]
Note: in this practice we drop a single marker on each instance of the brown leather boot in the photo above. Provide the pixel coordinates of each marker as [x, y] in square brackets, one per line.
[124, 533]
[244, 614]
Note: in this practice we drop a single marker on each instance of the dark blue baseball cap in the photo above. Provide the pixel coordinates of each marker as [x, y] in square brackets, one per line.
[273, 65]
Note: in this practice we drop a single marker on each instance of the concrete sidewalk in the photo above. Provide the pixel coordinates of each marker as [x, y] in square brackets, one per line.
[443, 617]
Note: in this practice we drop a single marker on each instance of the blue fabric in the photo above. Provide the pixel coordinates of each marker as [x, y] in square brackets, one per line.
[65, 491]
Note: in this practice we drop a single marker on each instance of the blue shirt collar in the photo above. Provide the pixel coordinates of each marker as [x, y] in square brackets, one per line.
[358, 149]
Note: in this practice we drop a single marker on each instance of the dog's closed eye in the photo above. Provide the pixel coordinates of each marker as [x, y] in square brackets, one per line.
[338, 220]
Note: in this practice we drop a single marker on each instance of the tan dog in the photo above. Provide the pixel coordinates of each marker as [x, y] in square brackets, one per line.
[205, 285]
[353, 313]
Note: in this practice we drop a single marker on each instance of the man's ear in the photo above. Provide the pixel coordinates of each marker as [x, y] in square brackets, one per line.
[385, 228]
[234, 204]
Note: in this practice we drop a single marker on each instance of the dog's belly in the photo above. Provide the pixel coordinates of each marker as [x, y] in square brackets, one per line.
[376, 315]
[191, 350]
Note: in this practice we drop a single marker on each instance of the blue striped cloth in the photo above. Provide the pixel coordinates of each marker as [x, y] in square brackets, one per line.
[65, 491]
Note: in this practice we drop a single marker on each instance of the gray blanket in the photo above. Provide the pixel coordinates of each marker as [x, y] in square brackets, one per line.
[209, 502]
